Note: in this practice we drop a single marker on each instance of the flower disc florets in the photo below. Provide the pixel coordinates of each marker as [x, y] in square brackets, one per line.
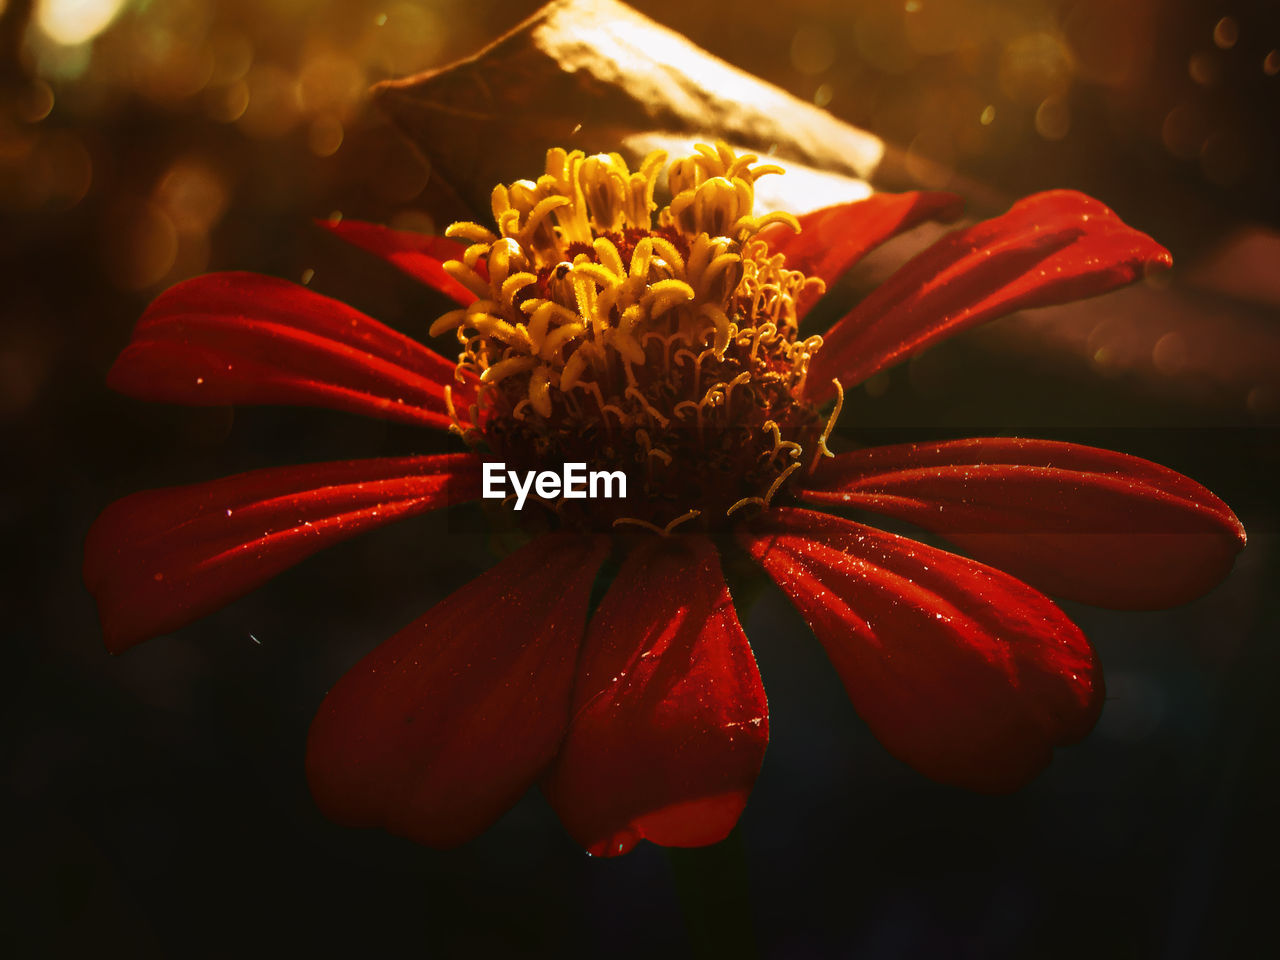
[667, 350]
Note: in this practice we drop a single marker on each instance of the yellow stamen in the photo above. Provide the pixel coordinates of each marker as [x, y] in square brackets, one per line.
[768, 497]
[823, 450]
[582, 271]
[745, 502]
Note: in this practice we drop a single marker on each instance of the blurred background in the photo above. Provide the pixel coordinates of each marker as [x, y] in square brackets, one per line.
[155, 803]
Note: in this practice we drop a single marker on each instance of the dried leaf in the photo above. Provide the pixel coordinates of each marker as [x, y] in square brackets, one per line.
[595, 74]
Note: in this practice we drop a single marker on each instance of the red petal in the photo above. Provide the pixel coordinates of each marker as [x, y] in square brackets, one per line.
[670, 719]
[417, 254]
[1086, 524]
[440, 729]
[160, 559]
[966, 674]
[833, 239]
[244, 338]
[1049, 248]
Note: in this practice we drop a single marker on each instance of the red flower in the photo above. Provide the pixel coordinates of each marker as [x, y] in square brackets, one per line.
[588, 333]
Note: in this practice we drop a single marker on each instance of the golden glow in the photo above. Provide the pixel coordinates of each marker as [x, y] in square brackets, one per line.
[1053, 118]
[1202, 67]
[812, 51]
[1225, 33]
[1035, 66]
[70, 22]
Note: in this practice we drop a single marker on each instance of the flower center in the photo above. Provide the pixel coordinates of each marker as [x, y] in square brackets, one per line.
[665, 350]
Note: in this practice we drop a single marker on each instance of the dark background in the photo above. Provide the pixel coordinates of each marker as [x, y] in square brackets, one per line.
[154, 803]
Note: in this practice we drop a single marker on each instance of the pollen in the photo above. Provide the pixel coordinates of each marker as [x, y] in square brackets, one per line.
[661, 341]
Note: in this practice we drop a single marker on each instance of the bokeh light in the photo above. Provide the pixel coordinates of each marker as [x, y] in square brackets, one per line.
[70, 22]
